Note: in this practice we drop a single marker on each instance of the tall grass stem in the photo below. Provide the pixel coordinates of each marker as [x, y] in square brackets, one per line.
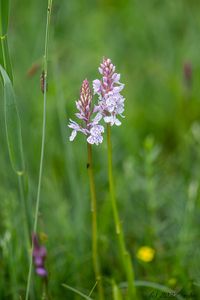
[125, 256]
[43, 139]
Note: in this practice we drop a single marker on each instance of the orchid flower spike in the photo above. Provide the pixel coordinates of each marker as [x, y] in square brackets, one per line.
[89, 125]
[111, 102]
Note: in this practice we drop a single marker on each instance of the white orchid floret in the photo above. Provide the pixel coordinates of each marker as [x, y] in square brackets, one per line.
[97, 86]
[97, 118]
[95, 136]
[89, 128]
[76, 127]
[110, 102]
[96, 130]
[112, 120]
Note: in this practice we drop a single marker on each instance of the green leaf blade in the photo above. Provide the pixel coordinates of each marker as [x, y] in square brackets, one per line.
[13, 125]
[76, 292]
[5, 57]
[117, 295]
[4, 16]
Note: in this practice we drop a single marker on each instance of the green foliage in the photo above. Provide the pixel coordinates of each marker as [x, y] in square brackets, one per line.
[13, 126]
[155, 151]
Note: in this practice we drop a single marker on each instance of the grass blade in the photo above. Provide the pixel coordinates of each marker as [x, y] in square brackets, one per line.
[76, 291]
[4, 51]
[13, 125]
[116, 292]
[156, 286]
[45, 72]
[5, 57]
[4, 14]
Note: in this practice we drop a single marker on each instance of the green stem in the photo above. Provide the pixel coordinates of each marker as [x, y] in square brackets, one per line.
[125, 256]
[45, 290]
[4, 51]
[43, 140]
[25, 208]
[94, 225]
[6, 56]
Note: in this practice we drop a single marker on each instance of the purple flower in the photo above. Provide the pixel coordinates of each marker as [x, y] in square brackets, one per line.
[111, 102]
[41, 272]
[89, 127]
[39, 256]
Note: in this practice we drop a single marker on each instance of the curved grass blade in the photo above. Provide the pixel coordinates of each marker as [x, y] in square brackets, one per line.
[76, 291]
[13, 125]
[159, 287]
[156, 286]
[4, 51]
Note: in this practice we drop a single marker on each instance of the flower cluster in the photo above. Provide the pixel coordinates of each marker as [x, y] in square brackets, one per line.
[39, 256]
[111, 102]
[90, 128]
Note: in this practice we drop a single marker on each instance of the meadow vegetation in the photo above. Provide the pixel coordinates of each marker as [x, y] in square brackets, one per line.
[156, 151]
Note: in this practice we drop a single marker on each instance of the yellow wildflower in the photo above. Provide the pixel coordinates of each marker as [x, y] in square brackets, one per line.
[145, 253]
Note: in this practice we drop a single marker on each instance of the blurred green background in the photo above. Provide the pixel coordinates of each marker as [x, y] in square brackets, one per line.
[155, 46]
